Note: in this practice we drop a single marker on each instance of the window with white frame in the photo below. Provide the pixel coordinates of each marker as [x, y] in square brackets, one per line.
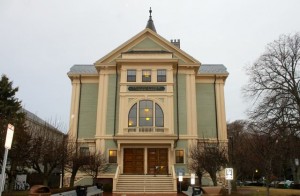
[84, 151]
[112, 156]
[179, 155]
[146, 75]
[161, 75]
[131, 75]
[146, 113]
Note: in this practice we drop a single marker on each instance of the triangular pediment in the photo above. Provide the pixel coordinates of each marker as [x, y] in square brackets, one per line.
[148, 44]
[147, 40]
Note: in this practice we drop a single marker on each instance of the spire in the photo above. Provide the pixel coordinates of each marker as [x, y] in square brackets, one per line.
[150, 24]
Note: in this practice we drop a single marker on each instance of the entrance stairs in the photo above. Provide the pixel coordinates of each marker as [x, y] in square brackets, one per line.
[145, 183]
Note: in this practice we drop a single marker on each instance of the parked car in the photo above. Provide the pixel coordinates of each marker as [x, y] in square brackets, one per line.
[284, 184]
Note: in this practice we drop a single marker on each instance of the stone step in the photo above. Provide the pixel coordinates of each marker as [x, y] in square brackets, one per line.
[144, 183]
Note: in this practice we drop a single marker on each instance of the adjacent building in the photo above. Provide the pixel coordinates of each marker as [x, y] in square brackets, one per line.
[144, 104]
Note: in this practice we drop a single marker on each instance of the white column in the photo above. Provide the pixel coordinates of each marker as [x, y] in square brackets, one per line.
[74, 108]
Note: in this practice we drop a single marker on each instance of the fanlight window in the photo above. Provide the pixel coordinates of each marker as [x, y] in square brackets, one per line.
[145, 113]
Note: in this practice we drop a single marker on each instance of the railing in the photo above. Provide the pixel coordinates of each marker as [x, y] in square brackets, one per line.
[115, 180]
[174, 178]
[145, 130]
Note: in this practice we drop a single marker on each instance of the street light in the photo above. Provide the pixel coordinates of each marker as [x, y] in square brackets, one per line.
[8, 142]
[180, 180]
[192, 179]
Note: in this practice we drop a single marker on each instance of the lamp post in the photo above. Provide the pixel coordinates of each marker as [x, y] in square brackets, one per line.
[7, 146]
[180, 180]
[296, 170]
[193, 179]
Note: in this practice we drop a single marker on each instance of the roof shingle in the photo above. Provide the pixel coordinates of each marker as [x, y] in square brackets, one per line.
[212, 69]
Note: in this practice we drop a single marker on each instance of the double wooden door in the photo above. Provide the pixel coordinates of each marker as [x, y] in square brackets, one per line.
[133, 161]
[158, 161]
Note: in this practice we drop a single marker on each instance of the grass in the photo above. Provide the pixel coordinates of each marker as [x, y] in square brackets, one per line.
[261, 191]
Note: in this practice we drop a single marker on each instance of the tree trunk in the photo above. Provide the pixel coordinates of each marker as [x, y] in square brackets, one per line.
[199, 175]
[45, 180]
[213, 177]
[73, 175]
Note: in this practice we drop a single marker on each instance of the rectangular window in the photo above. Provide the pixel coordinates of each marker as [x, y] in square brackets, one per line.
[131, 75]
[84, 151]
[179, 156]
[112, 156]
[161, 75]
[146, 77]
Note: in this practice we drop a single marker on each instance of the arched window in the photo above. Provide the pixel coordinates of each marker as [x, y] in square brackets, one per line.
[132, 120]
[145, 113]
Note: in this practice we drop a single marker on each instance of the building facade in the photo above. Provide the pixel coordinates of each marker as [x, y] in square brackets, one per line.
[145, 103]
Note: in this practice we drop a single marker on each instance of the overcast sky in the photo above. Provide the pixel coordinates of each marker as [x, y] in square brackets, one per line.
[41, 39]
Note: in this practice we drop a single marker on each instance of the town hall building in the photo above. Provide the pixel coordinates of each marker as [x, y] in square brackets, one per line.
[143, 105]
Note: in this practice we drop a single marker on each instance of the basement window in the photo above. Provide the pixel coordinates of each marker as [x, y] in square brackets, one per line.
[112, 156]
[84, 151]
[179, 154]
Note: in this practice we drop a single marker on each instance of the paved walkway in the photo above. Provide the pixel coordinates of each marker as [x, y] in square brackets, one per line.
[143, 194]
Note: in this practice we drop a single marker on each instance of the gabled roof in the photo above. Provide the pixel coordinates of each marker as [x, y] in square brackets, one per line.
[147, 40]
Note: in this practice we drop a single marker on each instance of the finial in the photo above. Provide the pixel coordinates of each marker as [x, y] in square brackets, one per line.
[150, 23]
[150, 11]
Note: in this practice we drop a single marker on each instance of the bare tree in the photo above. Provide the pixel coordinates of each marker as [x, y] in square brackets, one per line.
[211, 157]
[47, 149]
[274, 85]
[275, 81]
[196, 164]
[74, 160]
[238, 150]
[264, 143]
[96, 163]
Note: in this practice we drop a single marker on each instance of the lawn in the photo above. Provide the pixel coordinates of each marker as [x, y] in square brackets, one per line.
[261, 191]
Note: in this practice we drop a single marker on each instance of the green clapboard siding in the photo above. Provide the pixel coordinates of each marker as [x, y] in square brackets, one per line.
[147, 44]
[110, 144]
[110, 110]
[88, 110]
[206, 111]
[181, 105]
[182, 167]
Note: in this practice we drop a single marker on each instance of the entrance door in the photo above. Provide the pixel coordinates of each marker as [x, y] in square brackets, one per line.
[133, 161]
[158, 161]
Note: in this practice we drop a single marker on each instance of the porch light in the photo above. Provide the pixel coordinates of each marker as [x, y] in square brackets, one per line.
[146, 109]
[147, 118]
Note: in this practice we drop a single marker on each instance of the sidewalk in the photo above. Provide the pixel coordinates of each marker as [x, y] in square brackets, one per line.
[143, 194]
